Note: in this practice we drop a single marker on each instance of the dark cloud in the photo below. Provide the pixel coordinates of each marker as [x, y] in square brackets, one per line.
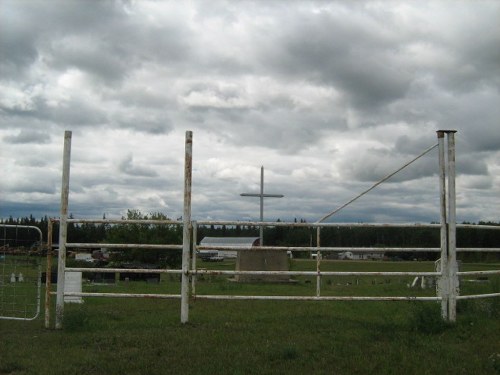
[71, 111]
[330, 96]
[34, 162]
[26, 25]
[354, 55]
[372, 165]
[128, 167]
[28, 186]
[99, 58]
[416, 144]
[152, 122]
[17, 38]
[474, 48]
[28, 136]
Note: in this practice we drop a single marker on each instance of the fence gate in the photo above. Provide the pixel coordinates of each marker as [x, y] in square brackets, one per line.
[446, 274]
[20, 272]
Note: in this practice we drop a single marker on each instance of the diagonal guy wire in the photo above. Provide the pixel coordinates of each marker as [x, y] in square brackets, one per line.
[375, 185]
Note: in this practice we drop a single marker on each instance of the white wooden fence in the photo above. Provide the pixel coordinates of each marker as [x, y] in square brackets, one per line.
[447, 276]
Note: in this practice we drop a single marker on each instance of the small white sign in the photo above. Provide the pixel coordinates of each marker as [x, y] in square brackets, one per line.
[73, 284]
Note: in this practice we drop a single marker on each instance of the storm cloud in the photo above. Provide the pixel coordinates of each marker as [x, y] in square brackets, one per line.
[329, 97]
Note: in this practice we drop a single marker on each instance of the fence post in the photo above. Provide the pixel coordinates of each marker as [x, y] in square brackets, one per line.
[448, 284]
[193, 259]
[186, 239]
[48, 275]
[63, 226]
[443, 279]
[452, 247]
[318, 262]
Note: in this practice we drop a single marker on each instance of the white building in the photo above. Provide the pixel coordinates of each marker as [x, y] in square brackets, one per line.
[361, 255]
[240, 242]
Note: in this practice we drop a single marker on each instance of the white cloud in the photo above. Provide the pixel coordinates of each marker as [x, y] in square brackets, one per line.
[328, 96]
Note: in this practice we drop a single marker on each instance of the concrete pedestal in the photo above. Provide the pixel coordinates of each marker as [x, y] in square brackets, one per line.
[262, 260]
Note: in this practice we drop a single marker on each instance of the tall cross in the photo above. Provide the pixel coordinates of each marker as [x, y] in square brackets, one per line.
[262, 196]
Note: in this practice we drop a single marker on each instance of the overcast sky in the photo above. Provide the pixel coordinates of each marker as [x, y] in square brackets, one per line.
[329, 97]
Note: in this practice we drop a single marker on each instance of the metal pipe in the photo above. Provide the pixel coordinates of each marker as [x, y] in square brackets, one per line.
[375, 185]
[122, 270]
[309, 248]
[478, 296]
[228, 272]
[277, 224]
[314, 273]
[125, 221]
[315, 225]
[124, 295]
[26, 227]
[452, 255]
[48, 274]
[478, 249]
[63, 234]
[122, 246]
[471, 273]
[38, 292]
[318, 262]
[38, 301]
[315, 298]
[443, 283]
[186, 239]
[39, 281]
[261, 229]
[477, 226]
[193, 262]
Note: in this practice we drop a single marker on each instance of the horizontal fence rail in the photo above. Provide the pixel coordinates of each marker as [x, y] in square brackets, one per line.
[323, 249]
[313, 273]
[478, 296]
[315, 225]
[101, 245]
[318, 273]
[122, 270]
[193, 272]
[471, 273]
[123, 246]
[354, 249]
[316, 298]
[123, 295]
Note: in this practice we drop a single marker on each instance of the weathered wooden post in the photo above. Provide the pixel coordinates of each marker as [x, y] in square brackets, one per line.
[443, 279]
[186, 233]
[452, 238]
[63, 233]
[448, 284]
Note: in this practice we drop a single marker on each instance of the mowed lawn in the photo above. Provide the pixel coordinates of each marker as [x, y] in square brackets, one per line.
[144, 336]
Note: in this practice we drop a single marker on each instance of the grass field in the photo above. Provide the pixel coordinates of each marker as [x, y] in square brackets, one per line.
[18, 287]
[132, 336]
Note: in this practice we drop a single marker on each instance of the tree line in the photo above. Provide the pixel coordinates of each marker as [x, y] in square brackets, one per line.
[273, 236]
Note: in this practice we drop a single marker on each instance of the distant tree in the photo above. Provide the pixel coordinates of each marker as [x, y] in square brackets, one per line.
[146, 234]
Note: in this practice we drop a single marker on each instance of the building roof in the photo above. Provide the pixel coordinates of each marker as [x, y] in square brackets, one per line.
[246, 242]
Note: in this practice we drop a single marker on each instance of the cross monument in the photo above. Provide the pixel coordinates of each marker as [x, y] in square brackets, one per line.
[262, 196]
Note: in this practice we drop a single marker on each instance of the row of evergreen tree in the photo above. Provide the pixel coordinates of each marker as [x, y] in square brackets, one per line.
[274, 236]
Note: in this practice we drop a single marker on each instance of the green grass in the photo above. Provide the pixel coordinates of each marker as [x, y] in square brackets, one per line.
[18, 299]
[144, 336]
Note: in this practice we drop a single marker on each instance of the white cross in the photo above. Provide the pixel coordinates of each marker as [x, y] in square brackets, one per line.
[262, 196]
